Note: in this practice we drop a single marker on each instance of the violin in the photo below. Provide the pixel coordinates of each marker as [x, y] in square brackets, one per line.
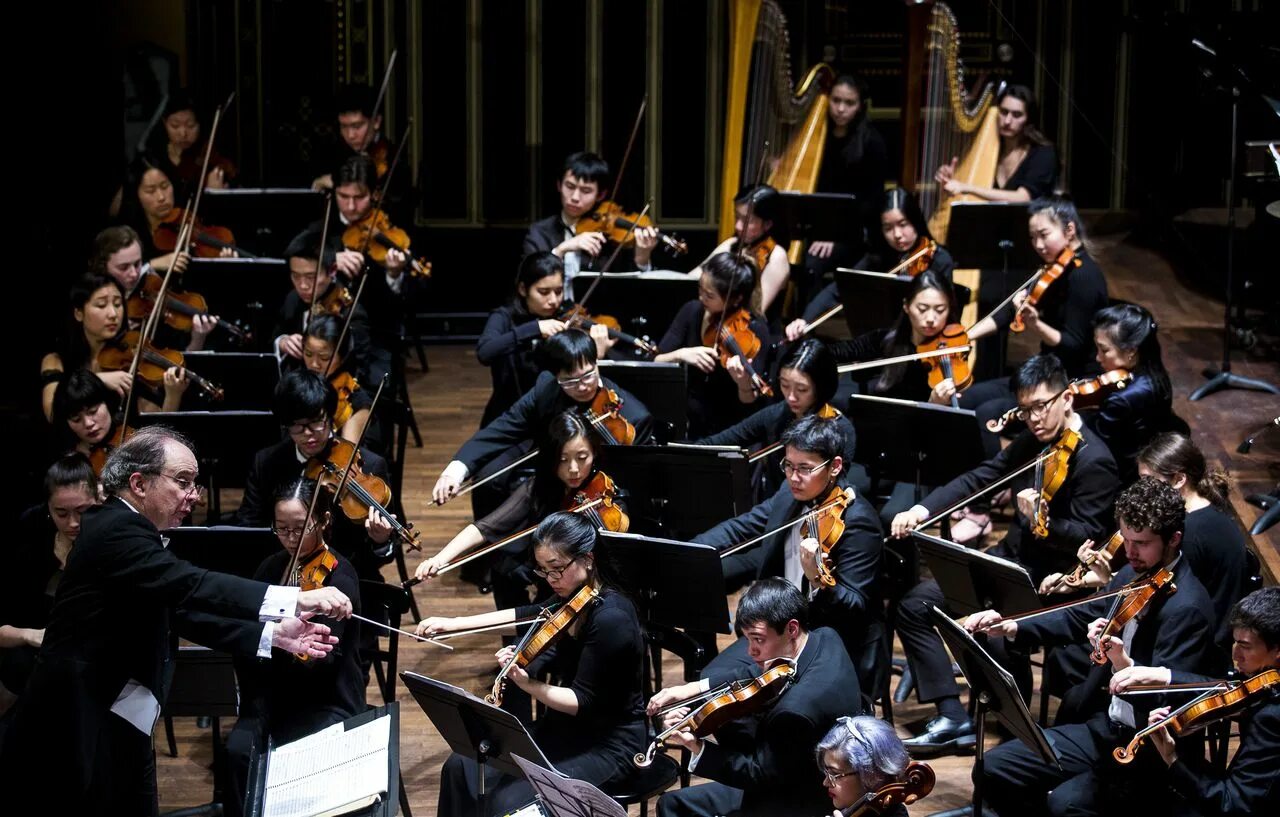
[760, 251]
[180, 308]
[380, 153]
[1086, 393]
[335, 301]
[1051, 473]
[826, 524]
[99, 453]
[948, 367]
[312, 575]
[543, 636]
[374, 235]
[363, 491]
[732, 337]
[345, 385]
[605, 416]
[827, 412]
[619, 226]
[724, 704]
[919, 259]
[916, 784]
[118, 355]
[207, 241]
[607, 514]
[1125, 608]
[577, 316]
[1066, 260]
[1214, 705]
[1075, 579]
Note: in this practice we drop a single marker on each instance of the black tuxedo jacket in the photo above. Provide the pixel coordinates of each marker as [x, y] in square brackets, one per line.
[291, 320]
[546, 234]
[1250, 780]
[770, 757]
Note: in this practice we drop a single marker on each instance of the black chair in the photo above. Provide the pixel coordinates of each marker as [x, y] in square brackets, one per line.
[898, 572]
[204, 685]
[645, 784]
[385, 604]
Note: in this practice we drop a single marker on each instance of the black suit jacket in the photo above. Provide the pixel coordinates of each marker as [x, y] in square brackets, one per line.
[771, 757]
[1081, 509]
[291, 320]
[854, 607]
[546, 234]
[508, 346]
[532, 413]
[1128, 419]
[109, 624]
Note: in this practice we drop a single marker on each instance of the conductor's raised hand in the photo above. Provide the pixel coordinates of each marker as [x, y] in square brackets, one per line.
[324, 601]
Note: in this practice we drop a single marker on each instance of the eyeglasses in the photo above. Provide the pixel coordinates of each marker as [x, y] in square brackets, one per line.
[554, 575]
[1036, 410]
[315, 426]
[292, 533]
[187, 486]
[790, 468]
[587, 378]
[835, 777]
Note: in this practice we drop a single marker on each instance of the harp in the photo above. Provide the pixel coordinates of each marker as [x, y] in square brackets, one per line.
[765, 107]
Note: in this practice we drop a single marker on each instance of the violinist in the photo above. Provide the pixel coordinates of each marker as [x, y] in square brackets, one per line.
[565, 466]
[1249, 781]
[150, 207]
[762, 766]
[45, 536]
[906, 234]
[86, 409]
[582, 185]
[719, 394]
[1078, 510]
[360, 131]
[182, 155]
[1125, 337]
[323, 354]
[316, 291]
[594, 720]
[1173, 630]
[859, 755]
[755, 217]
[807, 382]
[573, 381]
[282, 696]
[814, 465]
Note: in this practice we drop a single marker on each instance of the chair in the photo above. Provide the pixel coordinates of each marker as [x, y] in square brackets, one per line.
[385, 604]
[645, 784]
[204, 685]
[898, 571]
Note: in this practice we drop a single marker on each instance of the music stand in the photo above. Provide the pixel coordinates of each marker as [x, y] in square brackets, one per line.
[248, 290]
[972, 581]
[871, 299]
[679, 491]
[645, 303]
[819, 216]
[473, 728]
[223, 548]
[662, 387]
[264, 219]
[994, 691]
[248, 378]
[920, 443]
[562, 796]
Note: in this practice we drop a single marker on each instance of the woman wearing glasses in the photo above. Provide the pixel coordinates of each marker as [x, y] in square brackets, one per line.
[285, 697]
[861, 755]
[594, 720]
[564, 466]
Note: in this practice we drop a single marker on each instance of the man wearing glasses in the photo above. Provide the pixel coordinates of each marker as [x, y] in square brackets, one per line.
[572, 382]
[81, 733]
[813, 466]
[1079, 510]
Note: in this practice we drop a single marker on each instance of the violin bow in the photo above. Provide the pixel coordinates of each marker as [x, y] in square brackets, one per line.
[906, 262]
[618, 249]
[324, 240]
[802, 518]
[488, 628]
[391, 629]
[382, 97]
[933, 520]
[487, 549]
[473, 485]
[1021, 287]
[631, 141]
[889, 361]
[292, 564]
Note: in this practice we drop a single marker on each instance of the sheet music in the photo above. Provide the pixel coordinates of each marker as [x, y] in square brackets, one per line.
[329, 770]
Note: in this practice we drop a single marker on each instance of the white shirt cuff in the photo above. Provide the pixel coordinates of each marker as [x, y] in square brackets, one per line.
[457, 470]
[280, 602]
[693, 761]
[264, 640]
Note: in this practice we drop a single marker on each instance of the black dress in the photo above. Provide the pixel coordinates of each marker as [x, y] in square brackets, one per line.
[601, 664]
[508, 346]
[1215, 547]
[1038, 172]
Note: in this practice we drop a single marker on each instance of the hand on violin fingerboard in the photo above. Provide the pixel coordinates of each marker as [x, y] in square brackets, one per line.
[1113, 646]
[1160, 737]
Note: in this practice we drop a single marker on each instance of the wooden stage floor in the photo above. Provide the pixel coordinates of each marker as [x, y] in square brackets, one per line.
[450, 398]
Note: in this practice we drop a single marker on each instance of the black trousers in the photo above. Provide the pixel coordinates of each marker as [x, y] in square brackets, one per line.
[706, 800]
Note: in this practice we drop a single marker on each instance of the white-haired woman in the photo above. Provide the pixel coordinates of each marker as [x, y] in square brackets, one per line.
[860, 755]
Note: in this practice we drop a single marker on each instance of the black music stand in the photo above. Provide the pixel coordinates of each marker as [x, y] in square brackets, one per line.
[264, 219]
[223, 548]
[561, 796]
[995, 691]
[662, 387]
[225, 443]
[871, 299]
[645, 303]
[247, 290]
[972, 581]
[473, 728]
[679, 491]
[820, 216]
[919, 443]
[248, 379]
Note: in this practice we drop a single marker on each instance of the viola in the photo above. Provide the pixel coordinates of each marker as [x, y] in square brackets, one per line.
[1125, 608]
[374, 235]
[1051, 473]
[826, 524]
[604, 414]
[732, 337]
[916, 784]
[207, 240]
[606, 514]
[1075, 579]
[362, 492]
[1234, 698]
[117, 356]
[180, 308]
[948, 367]
[619, 226]
[1066, 260]
[543, 636]
[1086, 393]
[725, 704]
[577, 316]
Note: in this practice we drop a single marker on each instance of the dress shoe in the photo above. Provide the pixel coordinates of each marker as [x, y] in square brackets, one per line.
[942, 735]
